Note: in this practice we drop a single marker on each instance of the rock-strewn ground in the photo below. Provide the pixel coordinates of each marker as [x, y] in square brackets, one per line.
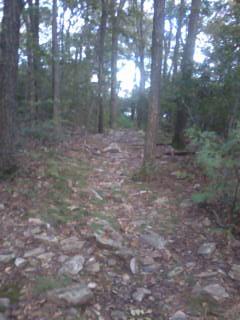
[80, 239]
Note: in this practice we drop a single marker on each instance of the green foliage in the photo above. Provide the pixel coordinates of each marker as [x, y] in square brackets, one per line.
[124, 122]
[219, 160]
[45, 283]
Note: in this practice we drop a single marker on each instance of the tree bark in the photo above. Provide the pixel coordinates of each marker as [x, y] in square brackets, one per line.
[116, 11]
[142, 100]
[55, 69]
[9, 43]
[102, 33]
[178, 38]
[186, 69]
[33, 55]
[156, 66]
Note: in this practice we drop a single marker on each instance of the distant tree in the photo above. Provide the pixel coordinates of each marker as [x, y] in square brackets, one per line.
[116, 9]
[55, 68]
[154, 99]
[186, 74]
[102, 33]
[9, 43]
[31, 18]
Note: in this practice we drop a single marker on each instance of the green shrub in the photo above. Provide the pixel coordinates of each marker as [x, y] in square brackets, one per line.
[219, 160]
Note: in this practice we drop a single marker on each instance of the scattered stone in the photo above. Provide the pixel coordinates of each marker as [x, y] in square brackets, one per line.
[112, 262]
[6, 258]
[206, 222]
[126, 278]
[235, 272]
[118, 315]
[186, 204]
[20, 262]
[140, 294]
[179, 315]
[161, 201]
[93, 267]
[216, 291]
[92, 285]
[34, 252]
[72, 266]
[36, 221]
[78, 294]
[106, 236]
[207, 274]
[112, 148]
[134, 266]
[46, 238]
[2, 317]
[206, 249]
[175, 272]
[154, 240]
[47, 256]
[4, 303]
[124, 253]
[2, 206]
[71, 244]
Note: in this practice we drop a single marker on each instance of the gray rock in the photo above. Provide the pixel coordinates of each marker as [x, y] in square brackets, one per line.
[93, 267]
[113, 148]
[2, 317]
[235, 272]
[175, 272]
[206, 249]
[34, 252]
[6, 258]
[134, 266]
[216, 291]
[106, 236]
[179, 315]
[74, 295]
[46, 256]
[206, 222]
[2, 206]
[46, 238]
[140, 294]
[154, 240]
[72, 266]
[4, 303]
[20, 262]
[118, 315]
[71, 244]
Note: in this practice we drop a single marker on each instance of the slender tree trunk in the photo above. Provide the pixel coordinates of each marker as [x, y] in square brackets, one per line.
[142, 100]
[113, 101]
[55, 69]
[116, 11]
[9, 43]
[102, 33]
[153, 114]
[178, 38]
[187, 69]
[33, 54]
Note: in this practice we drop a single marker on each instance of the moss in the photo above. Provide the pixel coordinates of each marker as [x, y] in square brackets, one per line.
[45, 283]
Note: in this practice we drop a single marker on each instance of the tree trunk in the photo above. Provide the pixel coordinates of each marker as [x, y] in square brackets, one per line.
[55, 69]
[102, 33]
[187, 69]
[116, 11]
[33, 53]
[153, 114]
[9, 43]
[178, 38]
[141, 101]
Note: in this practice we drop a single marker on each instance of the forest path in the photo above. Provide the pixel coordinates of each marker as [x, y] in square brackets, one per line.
[80, 239]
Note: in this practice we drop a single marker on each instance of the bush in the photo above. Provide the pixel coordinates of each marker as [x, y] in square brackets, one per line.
[219, 160]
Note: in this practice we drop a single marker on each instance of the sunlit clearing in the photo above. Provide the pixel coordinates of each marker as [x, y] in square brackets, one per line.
[128, 77]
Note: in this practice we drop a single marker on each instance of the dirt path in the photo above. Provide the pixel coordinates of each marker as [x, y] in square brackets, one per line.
[80, 239]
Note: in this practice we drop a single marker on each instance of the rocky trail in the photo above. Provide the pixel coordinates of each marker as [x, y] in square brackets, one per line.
[81, 239]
